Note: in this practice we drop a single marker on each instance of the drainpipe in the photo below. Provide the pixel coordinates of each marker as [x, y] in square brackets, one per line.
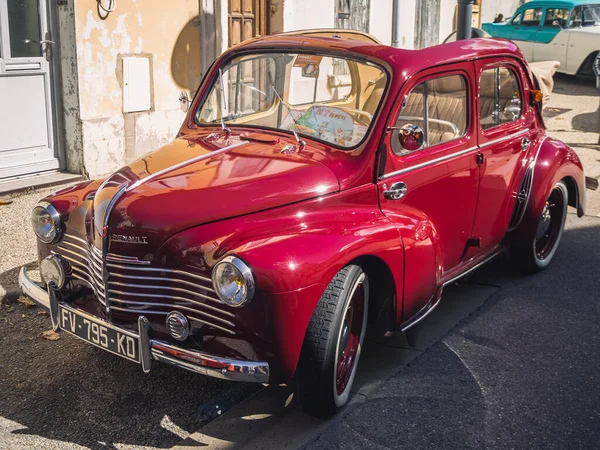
[465, 14]
[396, 24]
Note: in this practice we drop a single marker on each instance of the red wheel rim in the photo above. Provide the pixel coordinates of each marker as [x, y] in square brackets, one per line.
[349, 341]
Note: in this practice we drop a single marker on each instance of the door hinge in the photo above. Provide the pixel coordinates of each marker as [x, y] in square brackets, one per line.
[480, 159]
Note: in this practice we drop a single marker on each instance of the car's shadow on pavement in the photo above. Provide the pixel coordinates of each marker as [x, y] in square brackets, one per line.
[68, 391]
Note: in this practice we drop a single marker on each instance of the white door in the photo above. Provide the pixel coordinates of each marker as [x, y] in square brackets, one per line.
[26, 138]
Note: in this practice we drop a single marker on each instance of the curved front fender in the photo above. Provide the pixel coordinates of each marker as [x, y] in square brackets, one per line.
[294, 252]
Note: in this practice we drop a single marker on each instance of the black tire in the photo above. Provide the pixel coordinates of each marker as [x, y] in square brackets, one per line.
[319, 377]
[533, 252]
[587, 67]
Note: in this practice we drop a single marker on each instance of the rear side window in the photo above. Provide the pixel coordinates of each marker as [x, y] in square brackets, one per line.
[532, 17]
[439, 107]
[559, 15]
[500, 99]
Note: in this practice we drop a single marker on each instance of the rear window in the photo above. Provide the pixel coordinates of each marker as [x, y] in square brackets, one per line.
[499, 97]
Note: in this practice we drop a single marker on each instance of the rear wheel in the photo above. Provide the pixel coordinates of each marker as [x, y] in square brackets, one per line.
[333, 343]
[534, 251]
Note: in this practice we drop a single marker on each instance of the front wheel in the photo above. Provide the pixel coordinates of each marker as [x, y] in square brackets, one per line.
[333, 342]
[533, 253]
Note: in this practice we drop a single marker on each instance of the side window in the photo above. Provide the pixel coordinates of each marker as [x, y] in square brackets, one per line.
[517, 19]
[575, 20]
[439, 107]
[532, 17]
[499, 97]
[553, 14]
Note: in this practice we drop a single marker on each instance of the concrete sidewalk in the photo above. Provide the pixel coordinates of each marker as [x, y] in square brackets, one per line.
[573, 116]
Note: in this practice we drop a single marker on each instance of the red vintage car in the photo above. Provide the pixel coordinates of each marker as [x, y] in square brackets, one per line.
[317, 184]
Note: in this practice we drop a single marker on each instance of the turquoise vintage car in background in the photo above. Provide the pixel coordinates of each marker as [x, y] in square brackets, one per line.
[567, 31]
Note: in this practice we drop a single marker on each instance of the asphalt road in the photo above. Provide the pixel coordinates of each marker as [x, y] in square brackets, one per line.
[522, 371]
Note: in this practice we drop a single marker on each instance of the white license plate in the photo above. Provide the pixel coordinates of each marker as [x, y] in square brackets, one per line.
[99, 333]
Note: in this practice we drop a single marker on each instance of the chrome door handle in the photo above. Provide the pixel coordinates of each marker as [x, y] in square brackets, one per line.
[525, 143]
[395, 192]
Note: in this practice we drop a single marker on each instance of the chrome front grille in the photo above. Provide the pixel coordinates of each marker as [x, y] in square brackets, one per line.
[134, 288]
[86, 262]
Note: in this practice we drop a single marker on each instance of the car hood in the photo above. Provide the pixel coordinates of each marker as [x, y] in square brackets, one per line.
[196, 180]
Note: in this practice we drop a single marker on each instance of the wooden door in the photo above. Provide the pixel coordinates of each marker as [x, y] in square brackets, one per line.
[247, 19]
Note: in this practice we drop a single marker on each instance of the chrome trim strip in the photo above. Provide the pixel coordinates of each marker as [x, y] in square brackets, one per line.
[503, 138]
[125, 259]
[145, 345]
[183, 299]
[160, 269]
[426, 310]
[83, 241]
[162, 287]
[147, 311]
[172, 305]
[175, 297]
[174, 280]
[531, 165]
[476, 266]
[185, 163]
[428, 163]
[205, 364]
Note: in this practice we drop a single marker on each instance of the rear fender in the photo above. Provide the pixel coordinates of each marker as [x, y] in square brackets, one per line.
[555, 161]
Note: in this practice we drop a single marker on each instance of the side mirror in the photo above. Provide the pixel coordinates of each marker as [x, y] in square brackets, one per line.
[411, 137]
[556, 23]
[184, 102]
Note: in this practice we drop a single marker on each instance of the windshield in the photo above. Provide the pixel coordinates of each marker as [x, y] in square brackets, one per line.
[332, 99]
[588, 15]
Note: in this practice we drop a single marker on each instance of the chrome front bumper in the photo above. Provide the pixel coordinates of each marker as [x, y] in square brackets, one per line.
[152, 349]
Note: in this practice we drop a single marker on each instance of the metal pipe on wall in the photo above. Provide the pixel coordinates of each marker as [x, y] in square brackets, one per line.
[396, 24]
[465, 14]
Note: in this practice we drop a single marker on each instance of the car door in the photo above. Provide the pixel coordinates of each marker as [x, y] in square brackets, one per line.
[430, 193]
[552, 37]
[524, 34]
[505, 133]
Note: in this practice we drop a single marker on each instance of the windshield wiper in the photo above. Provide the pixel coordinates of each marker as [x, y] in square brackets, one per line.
[299, 141]
[223, 105]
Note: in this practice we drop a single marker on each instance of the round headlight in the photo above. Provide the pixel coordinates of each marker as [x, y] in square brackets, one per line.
[46, 222]
[233, 281]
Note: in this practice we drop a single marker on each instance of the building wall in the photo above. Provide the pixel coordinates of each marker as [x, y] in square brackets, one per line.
[169, 36]
[181, 43]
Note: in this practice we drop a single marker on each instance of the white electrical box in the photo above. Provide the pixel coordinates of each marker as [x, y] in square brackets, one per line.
[136, 84]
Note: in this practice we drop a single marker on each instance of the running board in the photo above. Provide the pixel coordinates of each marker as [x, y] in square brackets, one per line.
[437, 297]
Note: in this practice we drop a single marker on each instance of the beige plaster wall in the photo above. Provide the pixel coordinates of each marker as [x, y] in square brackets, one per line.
[169, 33]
